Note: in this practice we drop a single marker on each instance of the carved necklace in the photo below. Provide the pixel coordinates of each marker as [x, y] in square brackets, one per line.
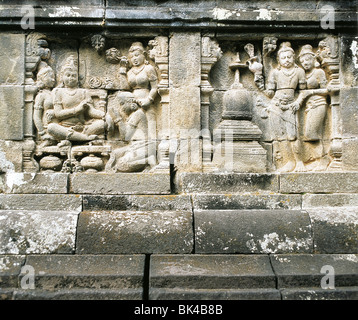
[71, 92]
[136, 70]
[289, 74]
[309, 75]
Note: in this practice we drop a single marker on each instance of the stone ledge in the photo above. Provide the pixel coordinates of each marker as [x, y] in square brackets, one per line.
[304, 270]
[252, 231]
[325, 182]
[342, 293]
[227, 183]
[44, 183]
[47, 202]
[213, 294]
[128, 232]
[54, 272]
[211, 272]
[137, 202]
[120, 183]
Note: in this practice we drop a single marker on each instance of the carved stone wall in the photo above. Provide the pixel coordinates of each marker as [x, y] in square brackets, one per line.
[228, 101]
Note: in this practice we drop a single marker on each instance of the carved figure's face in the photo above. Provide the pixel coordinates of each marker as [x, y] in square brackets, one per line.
[49, 79]
[70, 78]
[286, 59]
[137, 58]
[307, 61]
[130, 105]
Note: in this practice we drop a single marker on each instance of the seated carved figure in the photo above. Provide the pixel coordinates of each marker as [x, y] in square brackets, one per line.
[138, 152]
[78, 119]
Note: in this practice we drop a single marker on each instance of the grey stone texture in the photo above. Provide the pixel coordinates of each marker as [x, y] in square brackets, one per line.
[124, 183]
[11, 112]
[35, 183]
[128, 232]
[37, 231]
[10, 267]
[252, 231]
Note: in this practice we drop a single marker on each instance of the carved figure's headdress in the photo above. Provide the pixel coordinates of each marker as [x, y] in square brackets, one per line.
[136, 46]
[306, 49]
[70, 64]
[285, 46]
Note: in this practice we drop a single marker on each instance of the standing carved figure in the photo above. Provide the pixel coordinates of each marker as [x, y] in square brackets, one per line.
[78, 119]
[316, 104]
[142, 76]
[43, 106]
[282, 84]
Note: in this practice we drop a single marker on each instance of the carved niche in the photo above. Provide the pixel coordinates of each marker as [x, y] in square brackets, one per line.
[96, 107]
[275, 106]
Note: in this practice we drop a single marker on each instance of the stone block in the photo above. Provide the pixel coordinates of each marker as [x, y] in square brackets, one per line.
[128, 232]
[329, 200]
[80, 294]
[344, 293]
[213, 294]
[211, 272]
[10, 156]
[35, 231]
[12, 59]
[11, 112]
[137, 202]
[10, 268]
[335, 230]
[55, 202]
[349, 111]
[227, 183]
[252, 231]
[304, 270]
[325, 182]
[185, 60]
[121, 183]
[246, 201]
[55, 272]
[349, 154]
[18, 182]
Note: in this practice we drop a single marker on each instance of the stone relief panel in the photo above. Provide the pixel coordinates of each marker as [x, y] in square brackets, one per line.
[95, 104]
[275, 106]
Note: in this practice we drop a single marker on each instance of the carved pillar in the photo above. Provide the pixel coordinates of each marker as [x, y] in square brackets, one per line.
[210, 54]
[159, 53]
[34, 42]
[329, 54]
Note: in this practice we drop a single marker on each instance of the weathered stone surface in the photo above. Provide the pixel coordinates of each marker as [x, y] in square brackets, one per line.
[54, 272]
[348, 98]
[327, 182]
[335, 229]
[213, 294]
[252, 231]
[227, 183]
[211, 272]
[10, 268]
[134, 232]
[56, 202]
[246, 201]
[10, 156]
[137, 202]
[12, 59]
[124, 183]
[349, 156]
[11, 112]
[343, 293]
[35, 231]
[18, 182]
[329, 200]
[304, 270]
[80, 294]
